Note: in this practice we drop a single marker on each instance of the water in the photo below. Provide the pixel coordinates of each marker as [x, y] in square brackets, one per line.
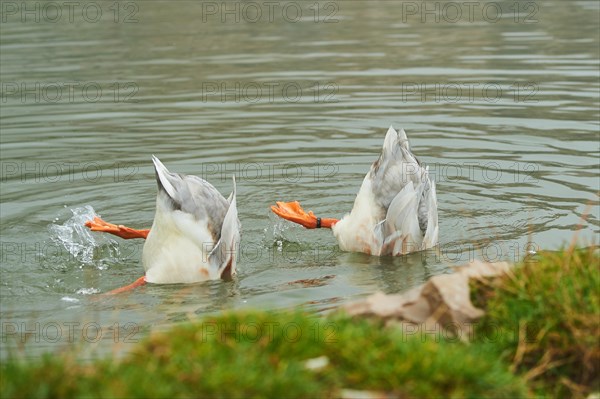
[503, 107]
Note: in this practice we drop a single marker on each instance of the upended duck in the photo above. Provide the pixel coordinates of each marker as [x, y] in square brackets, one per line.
[195, 235]
[196, 232]
[395, 210]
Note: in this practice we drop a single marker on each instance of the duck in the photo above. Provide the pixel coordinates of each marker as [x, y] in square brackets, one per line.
[394, 212]
[195, 234]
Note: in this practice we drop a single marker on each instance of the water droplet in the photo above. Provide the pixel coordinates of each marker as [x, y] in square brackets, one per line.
[69, 299]
[88, 291]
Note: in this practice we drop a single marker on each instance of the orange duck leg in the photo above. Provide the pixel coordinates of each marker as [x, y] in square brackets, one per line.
[124, 232]
[119, 230]
[293, 212]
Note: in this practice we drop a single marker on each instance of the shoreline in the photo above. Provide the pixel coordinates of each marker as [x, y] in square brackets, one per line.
[526, 330]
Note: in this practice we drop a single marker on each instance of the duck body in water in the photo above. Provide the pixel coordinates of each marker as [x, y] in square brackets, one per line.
[395, 210]
[195, 235]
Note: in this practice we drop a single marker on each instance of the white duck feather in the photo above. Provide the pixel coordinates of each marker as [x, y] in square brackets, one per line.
[195, 235]
[395, 211]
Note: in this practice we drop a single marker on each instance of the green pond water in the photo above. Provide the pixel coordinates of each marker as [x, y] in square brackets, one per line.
[501, 99]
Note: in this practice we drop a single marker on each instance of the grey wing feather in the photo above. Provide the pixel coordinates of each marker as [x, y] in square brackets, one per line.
[394, 169]
[193, 195]
[225, 253]
[401, 229]
[432, 230]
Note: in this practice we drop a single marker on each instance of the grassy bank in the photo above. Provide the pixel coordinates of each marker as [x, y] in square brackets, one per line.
[539, 337]
[549, 318]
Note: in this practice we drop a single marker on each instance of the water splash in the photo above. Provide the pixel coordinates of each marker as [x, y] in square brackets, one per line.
[79, 241]
[69, 299]
[279, 229]
[88, 291]
[276, 233]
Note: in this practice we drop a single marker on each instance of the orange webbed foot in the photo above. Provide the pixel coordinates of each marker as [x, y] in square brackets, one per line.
[293, 212]
[97, 224]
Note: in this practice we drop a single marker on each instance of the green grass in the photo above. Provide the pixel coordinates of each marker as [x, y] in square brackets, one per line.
[264, 354]
[227, 357]
[545, 317]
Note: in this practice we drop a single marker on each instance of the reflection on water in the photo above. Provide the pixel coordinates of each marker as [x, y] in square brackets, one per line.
[503, 108]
